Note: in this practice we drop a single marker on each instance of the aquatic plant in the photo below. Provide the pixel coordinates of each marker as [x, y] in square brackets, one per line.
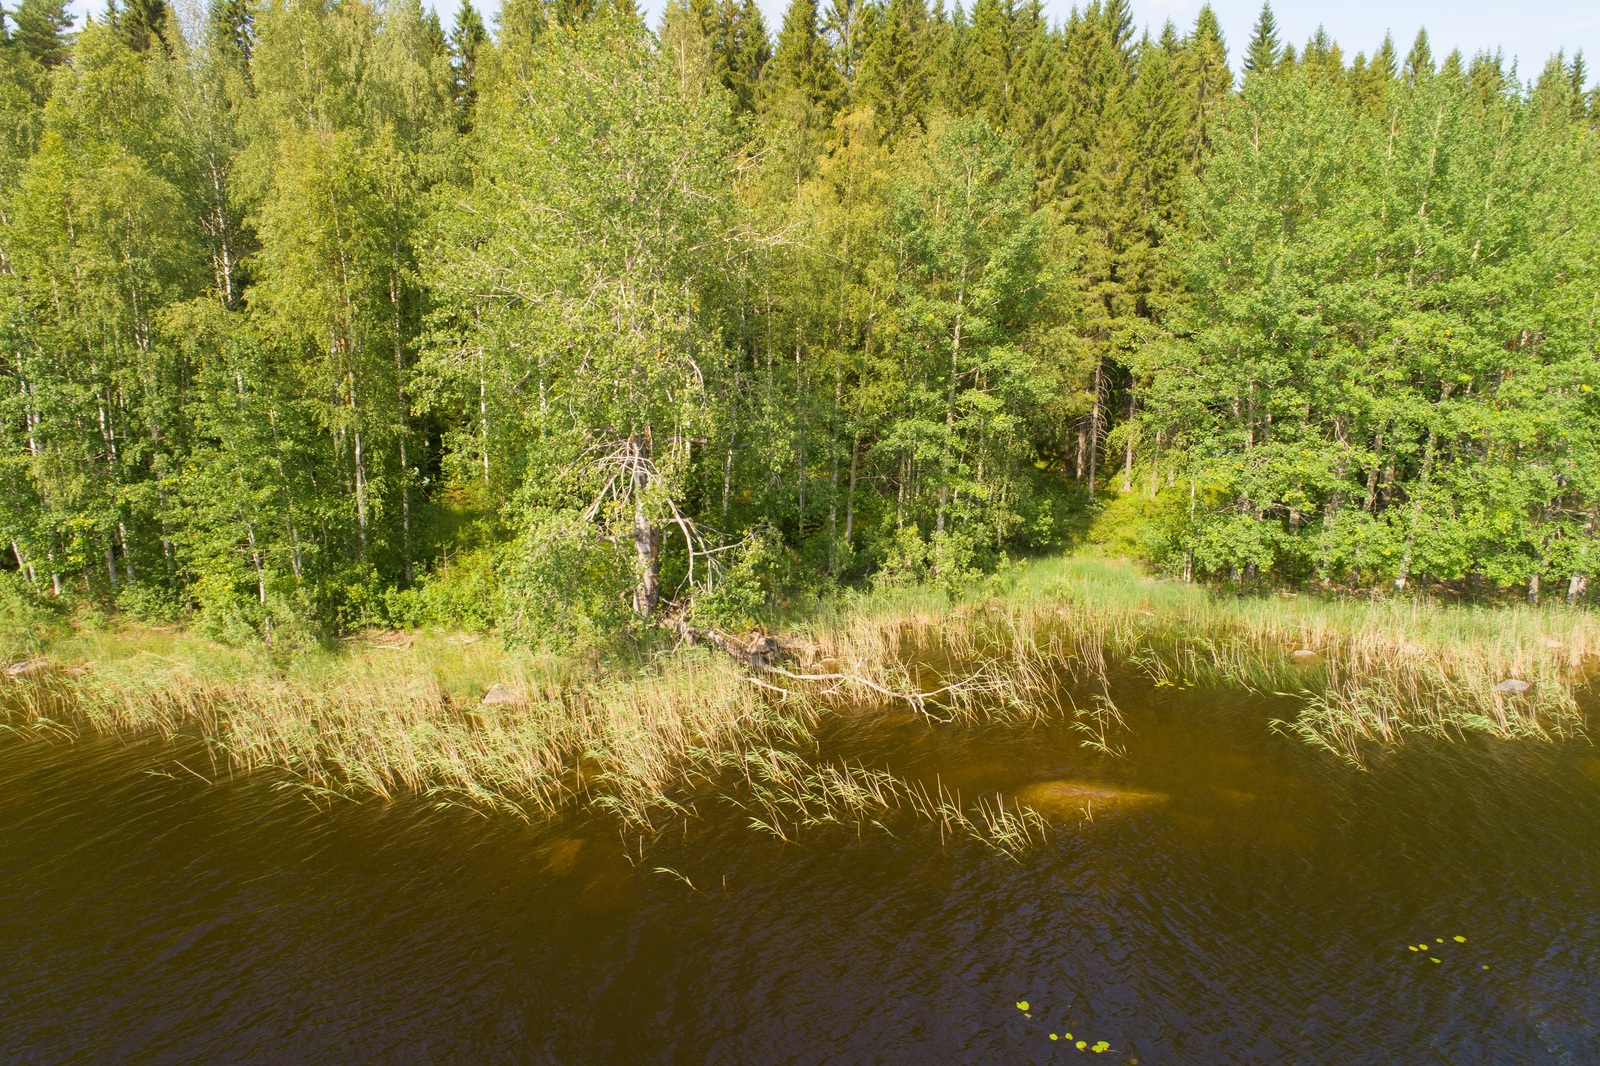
[1364, 671]
[467, 720]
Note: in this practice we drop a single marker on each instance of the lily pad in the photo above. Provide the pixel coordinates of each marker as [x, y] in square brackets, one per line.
[1022, 1004]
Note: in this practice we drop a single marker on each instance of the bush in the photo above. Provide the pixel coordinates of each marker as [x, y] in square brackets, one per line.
[747, 584]
[26, 618]
[461, 594]
[561, 584]
[150, 604]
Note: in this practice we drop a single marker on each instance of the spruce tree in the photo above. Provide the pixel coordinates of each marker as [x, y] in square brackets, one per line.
[800, 84]
[991, 53]
[893, 79]
[43, 30]
[232, 29]
[1322, 56]
[1372, 80]
[1419, 61]
[1205, 81]
[143, 23]
[847, 25]
[740, 49]
[467, 39]
[1265, 49]
[1038, 107]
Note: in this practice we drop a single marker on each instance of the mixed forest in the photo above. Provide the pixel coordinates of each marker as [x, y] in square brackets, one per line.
[317, 315]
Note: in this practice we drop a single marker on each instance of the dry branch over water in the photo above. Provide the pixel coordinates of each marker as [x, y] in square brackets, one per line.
[386, 715]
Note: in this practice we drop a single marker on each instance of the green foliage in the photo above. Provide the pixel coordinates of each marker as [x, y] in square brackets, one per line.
[26, 618]
[1381, 370]
[463, 594]
[319, 319]
[743, 592]
[562, 585]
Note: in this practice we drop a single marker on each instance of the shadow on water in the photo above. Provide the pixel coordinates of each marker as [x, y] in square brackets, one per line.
[1219, 894]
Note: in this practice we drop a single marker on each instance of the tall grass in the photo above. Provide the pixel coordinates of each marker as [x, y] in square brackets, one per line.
[1367, 671]
[384, 719]
[403, 713]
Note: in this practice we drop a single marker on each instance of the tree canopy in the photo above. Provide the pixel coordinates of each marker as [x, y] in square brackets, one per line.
[317, 315]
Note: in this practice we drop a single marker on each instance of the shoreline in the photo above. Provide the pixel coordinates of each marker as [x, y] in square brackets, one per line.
[389, 712]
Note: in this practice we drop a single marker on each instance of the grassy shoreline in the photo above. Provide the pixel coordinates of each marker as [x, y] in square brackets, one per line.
[393, 713]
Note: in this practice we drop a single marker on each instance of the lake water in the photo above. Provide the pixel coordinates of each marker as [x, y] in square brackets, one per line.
[1258, 908]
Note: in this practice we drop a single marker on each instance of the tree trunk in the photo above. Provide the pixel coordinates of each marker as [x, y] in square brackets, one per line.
[1096, 416]
[400, 415]
[850, 498]
[646, 541]
[1423, 481]
[1127, 458]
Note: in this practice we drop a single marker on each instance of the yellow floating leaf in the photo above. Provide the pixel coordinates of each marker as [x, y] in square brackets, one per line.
[1068, 1036]
[1460, 939]
[1080, 1045]
[1099, 1046]
[1485, 966]
[1022, 1004]
[1054, 1037]
[1411, 947]
[1432, 959]
[1025, 1014]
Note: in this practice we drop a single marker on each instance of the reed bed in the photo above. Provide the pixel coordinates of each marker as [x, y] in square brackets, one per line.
[785, 794]
[1365, 672]
[384, 720]
[394, 713]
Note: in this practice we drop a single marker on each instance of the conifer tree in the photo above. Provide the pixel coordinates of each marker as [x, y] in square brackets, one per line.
[1039, 109]
[143, 23]
[994, 47]
[847, 25]
[740, 50]
[231, 29]
[1205, 82]
[1419, 61]
[894, 76]
[1264, 50]
[1373, 80]
[1323, 56]
[467, 39]
[799, 93]
[43, 30]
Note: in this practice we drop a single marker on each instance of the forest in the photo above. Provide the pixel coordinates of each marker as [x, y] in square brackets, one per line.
[320, 315]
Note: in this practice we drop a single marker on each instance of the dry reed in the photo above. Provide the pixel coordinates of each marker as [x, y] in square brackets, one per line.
[398, 713]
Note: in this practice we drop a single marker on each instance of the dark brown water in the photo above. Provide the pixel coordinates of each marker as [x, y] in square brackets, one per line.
[1260, 914]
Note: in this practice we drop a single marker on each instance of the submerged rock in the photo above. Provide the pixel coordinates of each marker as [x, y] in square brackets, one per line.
[1075, 799]
[28, 668]
[1512, 687]
[562, 859]
[1303, 654]
[500, 694]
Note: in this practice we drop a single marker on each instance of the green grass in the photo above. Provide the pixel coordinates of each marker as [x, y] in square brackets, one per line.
[1378, 669]
[389, 713]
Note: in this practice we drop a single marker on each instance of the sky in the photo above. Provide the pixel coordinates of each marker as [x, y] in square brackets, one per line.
[1527, 30]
